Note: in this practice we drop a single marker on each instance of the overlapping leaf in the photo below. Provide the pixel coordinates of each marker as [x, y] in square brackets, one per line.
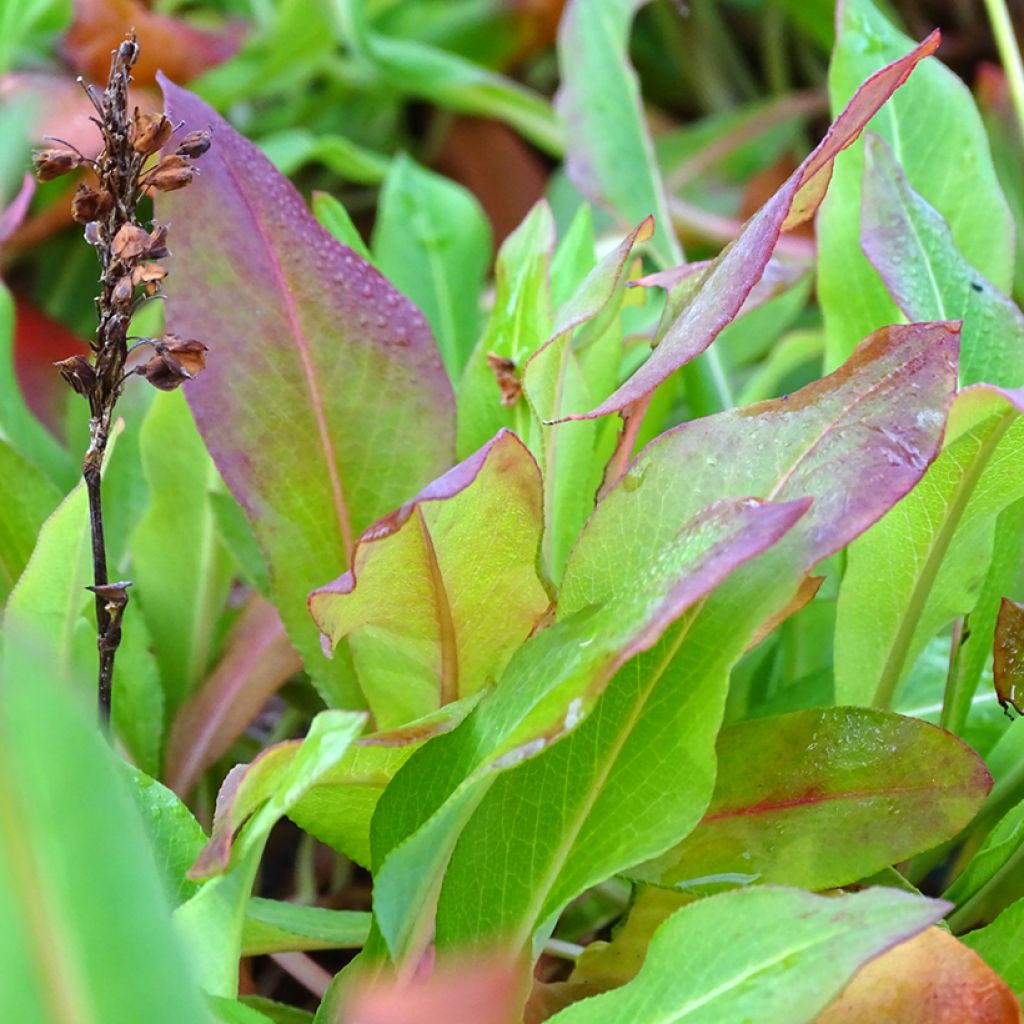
[324, 403]
[910, 245]
[923, 565]
[547, 690]
[758, 955]
[851, 790]
[733, 274]
[926, 122]
[854, 442]
[463, 556]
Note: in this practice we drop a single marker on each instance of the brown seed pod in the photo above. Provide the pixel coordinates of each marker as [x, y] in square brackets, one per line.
[150, 132]
[172, 173]
[54, 162]
[78, 372]
[90, 203]
[195, 144]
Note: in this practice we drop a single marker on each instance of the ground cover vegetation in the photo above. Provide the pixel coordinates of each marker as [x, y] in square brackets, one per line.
[511, 512]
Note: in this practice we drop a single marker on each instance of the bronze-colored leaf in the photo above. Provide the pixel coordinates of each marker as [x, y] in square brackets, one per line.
[1008, 656]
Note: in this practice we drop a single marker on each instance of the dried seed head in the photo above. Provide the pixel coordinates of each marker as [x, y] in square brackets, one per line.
[52, 163]
[123, 291]
[172, 173]
[90, 203]
[132, 242]
[149, 275]
[150, 132]
[175, 362]
[195, 144]
[78, 372]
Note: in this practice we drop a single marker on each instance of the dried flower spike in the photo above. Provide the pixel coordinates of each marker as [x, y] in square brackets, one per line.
[127, 253]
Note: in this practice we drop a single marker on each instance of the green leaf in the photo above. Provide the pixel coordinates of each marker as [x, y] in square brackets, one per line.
[22, 22]
[272, 926]
[180, 567]
[976, 647]
[911, 247]
[991, 879]
[174, 834]
[924, 564]
[28, 497]
[251, 801]
[324, 403]
[549, 687]
[333, 216]
[413, 68]
[292, 149]
[456, 626]
[72, 848]
[1001, 945]
[432, 240]
[521, 319]
[758, 956]
[609, 154]
[572, 368]
[850, 791]
[930, 118]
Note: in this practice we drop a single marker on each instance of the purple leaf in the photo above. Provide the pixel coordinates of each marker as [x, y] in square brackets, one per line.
[324, 402]
[740, 266]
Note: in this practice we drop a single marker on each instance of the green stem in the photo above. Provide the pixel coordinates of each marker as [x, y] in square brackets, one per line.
[1009, 53]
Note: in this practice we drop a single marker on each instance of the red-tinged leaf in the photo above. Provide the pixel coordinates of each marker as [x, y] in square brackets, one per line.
[932, 978]
[324, 402]
[257, 661]
[169, 44]
[468, 992]
[254, 796]
[1008, 655]
[14, 213]
[859, 426]
[852, 791]
[735, 272]
[463, 555]
[39, 342]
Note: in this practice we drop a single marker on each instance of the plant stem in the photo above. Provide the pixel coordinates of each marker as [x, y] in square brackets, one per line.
[1009, 54]
[91, 472]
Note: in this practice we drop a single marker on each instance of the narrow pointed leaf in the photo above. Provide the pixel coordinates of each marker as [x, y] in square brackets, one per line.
[319, 372]
[72, 847]
[760, 955]
[923, 565]
[853, 790]
[257, 660]
[548, 688]
[520, 320]
[933, 113]
[558, 377]
[457, 625]
[251, 801]
[600, 103]
[910, 245]
[179, 565]
[734, 273]
[854, 443]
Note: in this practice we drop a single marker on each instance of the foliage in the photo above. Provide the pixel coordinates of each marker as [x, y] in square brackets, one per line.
[538, 628]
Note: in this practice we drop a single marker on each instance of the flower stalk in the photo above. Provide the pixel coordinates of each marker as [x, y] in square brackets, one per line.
[129, 165]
